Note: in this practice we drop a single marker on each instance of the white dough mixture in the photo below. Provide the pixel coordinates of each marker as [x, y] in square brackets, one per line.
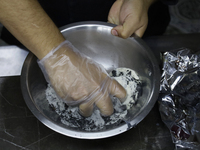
[70, 115]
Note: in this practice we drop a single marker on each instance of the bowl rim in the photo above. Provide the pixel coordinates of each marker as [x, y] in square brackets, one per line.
[90, 135]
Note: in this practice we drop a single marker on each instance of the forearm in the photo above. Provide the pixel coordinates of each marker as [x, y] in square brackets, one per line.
[28, 22]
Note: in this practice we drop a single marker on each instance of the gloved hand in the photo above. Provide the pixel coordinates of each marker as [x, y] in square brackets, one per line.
[130, 16]
[79, 80]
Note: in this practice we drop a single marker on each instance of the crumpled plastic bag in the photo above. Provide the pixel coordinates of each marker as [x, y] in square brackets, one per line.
[179, 98]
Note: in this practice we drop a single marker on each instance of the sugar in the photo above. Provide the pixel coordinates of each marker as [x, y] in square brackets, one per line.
[70, 115]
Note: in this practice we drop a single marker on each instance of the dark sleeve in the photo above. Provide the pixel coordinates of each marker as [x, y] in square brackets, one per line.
[170, 2]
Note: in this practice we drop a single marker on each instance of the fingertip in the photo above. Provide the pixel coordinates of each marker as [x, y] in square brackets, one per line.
[118, 91]
[122, 94]
[107, 113]
[114, 32]
[105, 106]
[85, 109]
[121, 32]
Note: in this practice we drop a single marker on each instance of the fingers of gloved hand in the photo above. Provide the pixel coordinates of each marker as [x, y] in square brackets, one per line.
[114, 88]
[117, 90]
[105, 105]
[86, 109]
[101, 98]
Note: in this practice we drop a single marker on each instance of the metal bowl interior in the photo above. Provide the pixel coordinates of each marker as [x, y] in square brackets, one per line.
[95, 40]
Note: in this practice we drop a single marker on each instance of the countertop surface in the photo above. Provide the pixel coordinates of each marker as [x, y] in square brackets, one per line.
[20, 130]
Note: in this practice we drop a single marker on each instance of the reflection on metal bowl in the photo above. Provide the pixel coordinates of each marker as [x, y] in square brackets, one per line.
[95, 40]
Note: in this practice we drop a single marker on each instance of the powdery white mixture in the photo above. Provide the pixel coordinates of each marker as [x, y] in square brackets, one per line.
[70, 115]
[130, 81]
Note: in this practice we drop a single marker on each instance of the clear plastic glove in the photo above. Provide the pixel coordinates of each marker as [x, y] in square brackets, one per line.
[79, 80]
[130, 16]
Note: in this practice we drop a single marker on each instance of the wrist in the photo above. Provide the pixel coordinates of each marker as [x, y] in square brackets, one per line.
[64, 50]
[46, 47]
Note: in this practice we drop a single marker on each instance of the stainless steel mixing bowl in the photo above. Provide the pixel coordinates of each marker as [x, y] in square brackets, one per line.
[95, 40]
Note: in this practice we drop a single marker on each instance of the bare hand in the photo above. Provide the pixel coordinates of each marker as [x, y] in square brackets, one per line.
[130, 16]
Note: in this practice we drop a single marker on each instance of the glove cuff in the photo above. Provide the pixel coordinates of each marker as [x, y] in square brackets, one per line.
[54, 50]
